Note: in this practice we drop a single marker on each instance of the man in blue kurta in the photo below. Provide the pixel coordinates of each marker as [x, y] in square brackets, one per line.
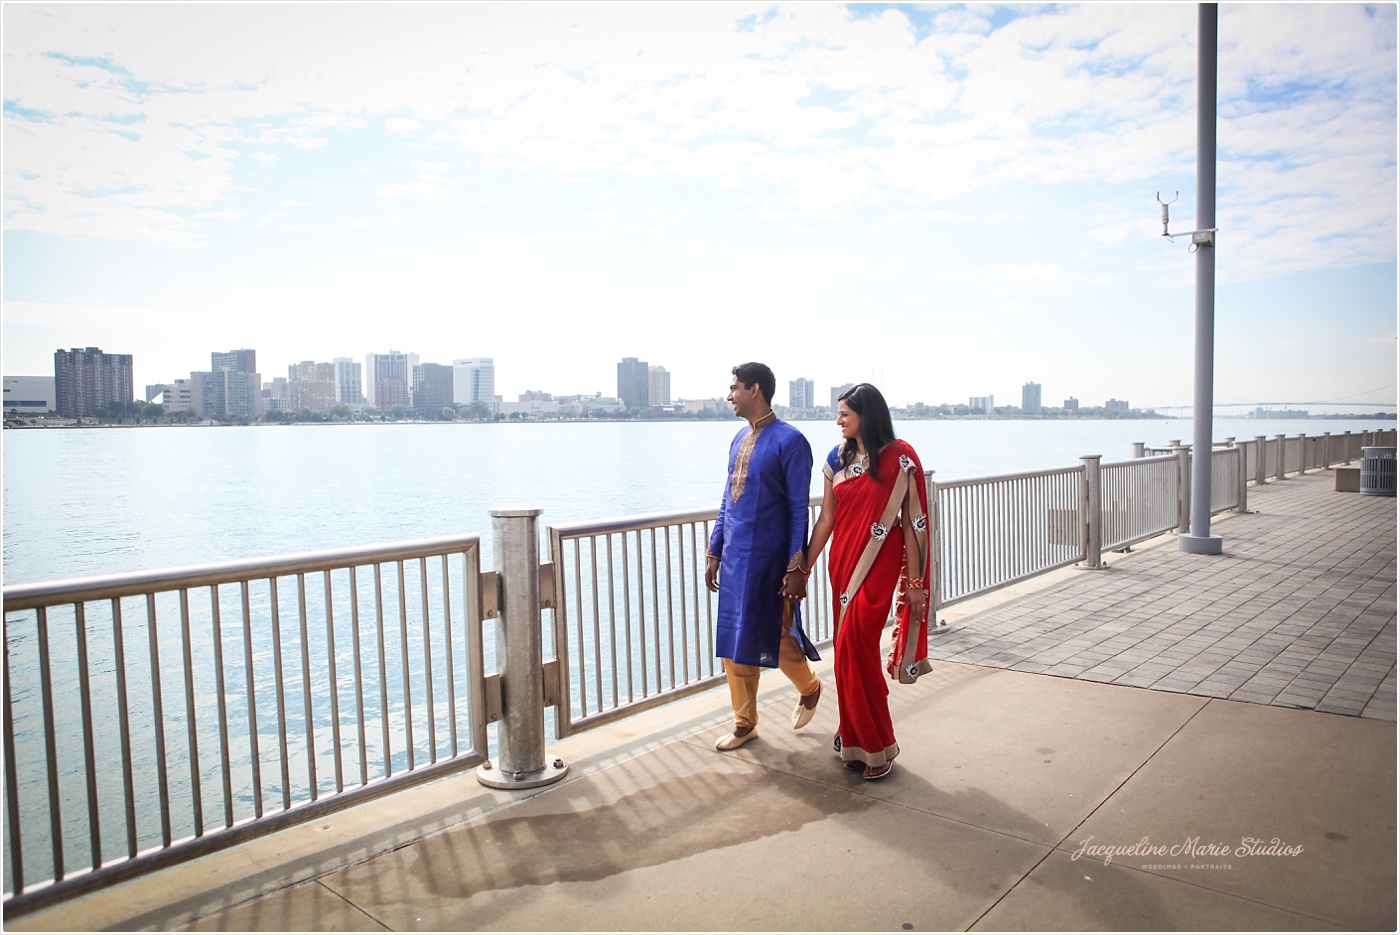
[756, 555]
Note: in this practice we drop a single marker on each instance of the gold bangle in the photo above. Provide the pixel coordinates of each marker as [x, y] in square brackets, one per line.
[917, 584]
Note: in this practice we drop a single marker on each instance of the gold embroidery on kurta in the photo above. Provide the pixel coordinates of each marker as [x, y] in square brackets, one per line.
[741, 460]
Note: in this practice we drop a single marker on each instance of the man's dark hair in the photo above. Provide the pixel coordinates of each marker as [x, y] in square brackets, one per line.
[754, 372]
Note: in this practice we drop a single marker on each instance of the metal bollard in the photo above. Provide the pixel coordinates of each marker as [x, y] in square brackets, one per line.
[520, 757]
[1242, 475]
[1091, 499]
[1183, 489]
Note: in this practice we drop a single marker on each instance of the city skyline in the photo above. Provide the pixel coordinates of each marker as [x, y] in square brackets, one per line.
[938, 201]
[476, 376]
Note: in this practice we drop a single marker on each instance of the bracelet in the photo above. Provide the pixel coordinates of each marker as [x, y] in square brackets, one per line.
[917, 584]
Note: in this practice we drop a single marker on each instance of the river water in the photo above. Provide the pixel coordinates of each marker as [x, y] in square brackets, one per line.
[81, 502]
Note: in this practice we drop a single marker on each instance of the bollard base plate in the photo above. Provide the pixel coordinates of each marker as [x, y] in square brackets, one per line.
[1200, 545]
[490, 774]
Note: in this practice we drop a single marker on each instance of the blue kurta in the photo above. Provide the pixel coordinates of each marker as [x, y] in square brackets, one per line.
[756, 538]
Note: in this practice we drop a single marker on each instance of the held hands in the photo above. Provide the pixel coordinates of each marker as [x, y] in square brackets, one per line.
[794, 582]
[794, 586]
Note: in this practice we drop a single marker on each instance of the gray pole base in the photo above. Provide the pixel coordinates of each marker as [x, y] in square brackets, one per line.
[1200, 545]
[488, 774]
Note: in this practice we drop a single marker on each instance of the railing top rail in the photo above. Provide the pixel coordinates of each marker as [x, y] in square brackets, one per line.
[1019, 475]
[101, 587]
[599, 527]
[1155, 459]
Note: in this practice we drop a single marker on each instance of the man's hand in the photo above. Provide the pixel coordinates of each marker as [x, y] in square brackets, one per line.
[712, 573]
[794, 586]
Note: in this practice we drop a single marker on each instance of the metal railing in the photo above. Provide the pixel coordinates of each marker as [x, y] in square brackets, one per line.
[1140, 499]
[1278, 456]
[153, 717]
[635, 589]
[307, 683]
[1226, 488]
[992, 532]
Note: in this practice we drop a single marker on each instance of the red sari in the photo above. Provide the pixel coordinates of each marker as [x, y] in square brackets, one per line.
[866, 562]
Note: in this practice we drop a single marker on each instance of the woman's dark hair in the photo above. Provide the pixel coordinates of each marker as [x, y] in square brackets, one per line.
[754, 372]
[876, 428]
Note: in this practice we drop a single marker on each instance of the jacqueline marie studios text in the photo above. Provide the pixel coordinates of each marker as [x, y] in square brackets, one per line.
[1192, 848]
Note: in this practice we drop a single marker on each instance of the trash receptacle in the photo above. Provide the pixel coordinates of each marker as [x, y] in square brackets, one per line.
[1378, 472]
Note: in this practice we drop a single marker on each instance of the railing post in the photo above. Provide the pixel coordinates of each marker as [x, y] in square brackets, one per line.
[1241, 475]
[1302, 453]
[1281, 443]
[1183, 486]
[1261, 456]
[1346, 447]
[935, 551]
[1138, 451]
[1092, 501]
[1327, 451]
[520, 758]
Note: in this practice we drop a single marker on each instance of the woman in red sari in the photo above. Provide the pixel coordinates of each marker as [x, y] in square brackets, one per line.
[875, 512]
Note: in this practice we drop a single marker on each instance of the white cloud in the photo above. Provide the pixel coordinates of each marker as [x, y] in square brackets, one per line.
[414, 190]
[899, 160]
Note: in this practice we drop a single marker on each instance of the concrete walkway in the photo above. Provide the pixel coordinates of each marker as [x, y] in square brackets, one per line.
[1157, 707]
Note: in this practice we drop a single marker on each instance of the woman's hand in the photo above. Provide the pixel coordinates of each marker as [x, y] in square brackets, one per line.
[917, 599]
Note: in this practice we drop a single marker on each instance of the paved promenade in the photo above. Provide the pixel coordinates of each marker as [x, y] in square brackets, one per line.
[1181, 711]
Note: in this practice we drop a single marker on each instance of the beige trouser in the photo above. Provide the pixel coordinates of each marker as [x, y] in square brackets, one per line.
[743, 679]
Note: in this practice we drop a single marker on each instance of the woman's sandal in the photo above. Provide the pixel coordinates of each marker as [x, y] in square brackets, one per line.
[873, 773]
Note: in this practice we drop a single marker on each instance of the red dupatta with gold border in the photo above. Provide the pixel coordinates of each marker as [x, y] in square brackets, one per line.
[876, 507]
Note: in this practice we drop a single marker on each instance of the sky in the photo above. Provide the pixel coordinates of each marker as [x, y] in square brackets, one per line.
[945, 201]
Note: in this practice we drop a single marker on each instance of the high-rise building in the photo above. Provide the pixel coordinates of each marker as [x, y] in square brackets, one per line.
[1116, 405]
[347, 381]
[432, 387]
[1071, 405]
[242, 360]
[658, 387]
[982, 404]
[387, 378]
[633, 383]
[802, 394]
[836, 392]
[87, 381]
[1030, 398]
[311, 386]
[227, 394]
[238, 396]
[474, 381]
